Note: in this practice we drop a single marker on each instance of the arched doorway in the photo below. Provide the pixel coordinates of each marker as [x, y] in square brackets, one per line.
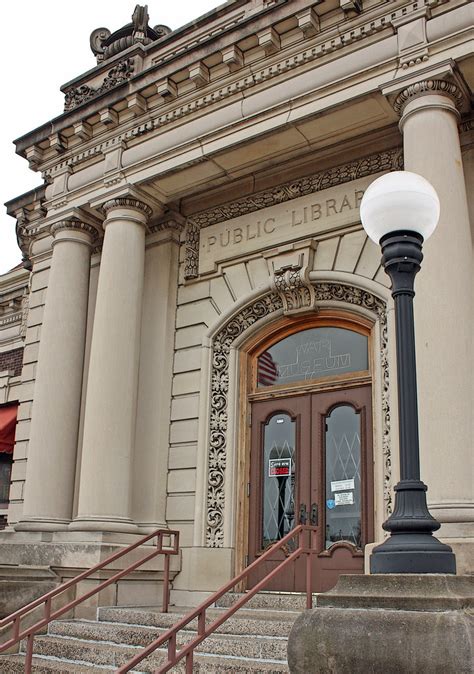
[311, 444]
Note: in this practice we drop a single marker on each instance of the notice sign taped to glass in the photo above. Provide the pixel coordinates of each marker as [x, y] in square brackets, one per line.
[279, 467]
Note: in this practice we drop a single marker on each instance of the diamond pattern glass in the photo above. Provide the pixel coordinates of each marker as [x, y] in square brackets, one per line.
[278, 476]
[343, 479]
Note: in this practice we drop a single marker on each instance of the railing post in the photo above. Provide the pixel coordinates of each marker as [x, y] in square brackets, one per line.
[202, 622]
[189, 663]
[172, 648]
[309, 580]
[29, 653]
[166, 584]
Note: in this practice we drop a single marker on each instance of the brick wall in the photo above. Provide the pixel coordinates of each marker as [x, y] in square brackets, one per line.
[12, 360]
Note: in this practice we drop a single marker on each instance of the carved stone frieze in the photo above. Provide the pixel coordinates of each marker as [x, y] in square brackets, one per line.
[222, 343]
[426, 87]
[297, 292]
[117, 75]
[391, 160]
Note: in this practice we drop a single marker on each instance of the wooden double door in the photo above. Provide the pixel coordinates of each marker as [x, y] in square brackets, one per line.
[311, 462]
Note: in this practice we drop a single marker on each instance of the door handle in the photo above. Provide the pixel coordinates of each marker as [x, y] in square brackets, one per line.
[303, 514]
[314, 515]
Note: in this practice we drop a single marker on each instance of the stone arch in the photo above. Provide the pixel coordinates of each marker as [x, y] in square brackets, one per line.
[224, 339]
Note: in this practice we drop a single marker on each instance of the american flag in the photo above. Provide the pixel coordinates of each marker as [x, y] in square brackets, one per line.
[267, 371]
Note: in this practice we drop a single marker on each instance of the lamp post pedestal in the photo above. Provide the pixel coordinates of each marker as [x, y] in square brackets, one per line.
[411, 547]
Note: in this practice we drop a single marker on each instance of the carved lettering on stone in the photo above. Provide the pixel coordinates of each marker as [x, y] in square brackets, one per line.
[253, 233]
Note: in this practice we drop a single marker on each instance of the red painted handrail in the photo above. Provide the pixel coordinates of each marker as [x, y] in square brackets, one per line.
[14, 620]
[204, 631]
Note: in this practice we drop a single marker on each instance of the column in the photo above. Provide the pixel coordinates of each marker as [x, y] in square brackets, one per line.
[104, 502]
[50, 473]
[443, 305]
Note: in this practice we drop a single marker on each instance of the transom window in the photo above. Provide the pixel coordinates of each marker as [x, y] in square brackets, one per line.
[312, 354]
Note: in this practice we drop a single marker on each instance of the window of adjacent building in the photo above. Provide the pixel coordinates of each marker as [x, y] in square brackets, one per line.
[8, 415]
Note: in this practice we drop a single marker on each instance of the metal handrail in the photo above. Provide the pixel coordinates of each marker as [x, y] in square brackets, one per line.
[204, 631]
[171, 537]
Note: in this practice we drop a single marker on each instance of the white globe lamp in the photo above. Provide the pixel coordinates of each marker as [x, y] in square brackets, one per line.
[399, 201]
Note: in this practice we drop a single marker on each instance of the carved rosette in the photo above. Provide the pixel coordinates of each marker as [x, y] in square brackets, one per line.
[392, 160]
[426, 87]
[295, 289]
[127, 202]
[221, 347]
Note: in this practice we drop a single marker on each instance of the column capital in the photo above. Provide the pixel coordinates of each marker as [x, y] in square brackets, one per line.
[74, 224]
[427, 87]
[127, 202]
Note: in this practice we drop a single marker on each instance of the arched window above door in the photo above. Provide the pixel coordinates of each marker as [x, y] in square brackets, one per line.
[311, 354]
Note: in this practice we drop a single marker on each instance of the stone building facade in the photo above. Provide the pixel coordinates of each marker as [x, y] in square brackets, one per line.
[195, 272]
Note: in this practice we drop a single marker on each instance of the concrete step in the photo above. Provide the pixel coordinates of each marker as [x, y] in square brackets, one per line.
[277, 601]
[15, 664]
[245, 621]
[250, 645]
[72, 653]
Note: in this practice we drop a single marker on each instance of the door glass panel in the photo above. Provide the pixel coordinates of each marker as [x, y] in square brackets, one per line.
[343, 485]
[313, 353]
[278, 475]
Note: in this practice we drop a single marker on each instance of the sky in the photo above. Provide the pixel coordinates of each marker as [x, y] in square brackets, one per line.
[44, 44]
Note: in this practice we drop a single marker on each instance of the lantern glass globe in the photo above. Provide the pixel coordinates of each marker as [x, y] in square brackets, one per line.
[399, 201]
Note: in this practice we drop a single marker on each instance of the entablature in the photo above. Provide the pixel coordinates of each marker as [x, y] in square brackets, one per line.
[146, 88]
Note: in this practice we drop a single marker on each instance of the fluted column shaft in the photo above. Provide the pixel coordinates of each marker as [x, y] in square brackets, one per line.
[49, 486]
[443, 304]
[110, 413]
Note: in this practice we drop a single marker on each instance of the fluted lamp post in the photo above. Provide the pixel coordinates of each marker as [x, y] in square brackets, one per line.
[399, 211]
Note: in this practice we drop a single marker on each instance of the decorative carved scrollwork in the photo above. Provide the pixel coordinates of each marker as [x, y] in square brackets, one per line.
[117, 75]
[221, 347]
[97, 39]
[292, 283]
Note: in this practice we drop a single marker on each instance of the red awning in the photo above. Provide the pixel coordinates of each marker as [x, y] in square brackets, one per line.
[7, 428]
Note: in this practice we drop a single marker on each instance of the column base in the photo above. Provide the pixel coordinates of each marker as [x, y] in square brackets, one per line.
[100, 523]
[40, 524]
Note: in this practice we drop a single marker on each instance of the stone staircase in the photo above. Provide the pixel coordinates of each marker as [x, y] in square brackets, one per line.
[253, 640]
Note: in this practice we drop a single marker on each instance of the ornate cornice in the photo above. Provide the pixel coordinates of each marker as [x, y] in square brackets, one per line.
[426, 87]
[127, 202]
[391, 160]
[72, 224]
[174, 111]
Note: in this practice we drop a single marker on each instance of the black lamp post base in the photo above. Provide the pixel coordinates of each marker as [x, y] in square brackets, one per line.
[412, 553]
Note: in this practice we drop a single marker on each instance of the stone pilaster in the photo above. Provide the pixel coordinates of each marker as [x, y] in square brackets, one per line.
[430, 112]
[105, 492]
[52, 448]
[156, 374]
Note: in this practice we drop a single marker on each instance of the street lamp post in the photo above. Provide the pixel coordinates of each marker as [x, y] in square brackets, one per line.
[400, 210]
